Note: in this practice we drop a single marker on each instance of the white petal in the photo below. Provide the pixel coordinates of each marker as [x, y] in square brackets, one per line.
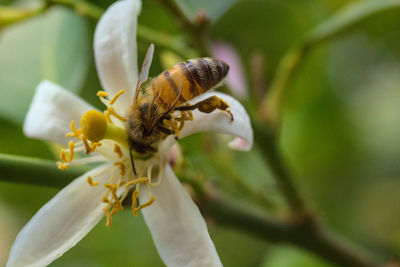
[51, 112]
[219, 121]
[61, 223]
[115, 49]
[178, 229]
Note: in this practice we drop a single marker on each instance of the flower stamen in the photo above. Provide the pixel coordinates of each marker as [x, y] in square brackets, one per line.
[102, 94]
[121, 168]
[118, 151]
[115, 97]
[91, 182]
[115, 114]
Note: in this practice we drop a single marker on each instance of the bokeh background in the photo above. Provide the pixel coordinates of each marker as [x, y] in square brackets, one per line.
[340, 133]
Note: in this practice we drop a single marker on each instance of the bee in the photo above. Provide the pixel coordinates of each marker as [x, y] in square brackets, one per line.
[160, 105]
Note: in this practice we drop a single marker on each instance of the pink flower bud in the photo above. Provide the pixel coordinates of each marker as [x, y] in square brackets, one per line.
[236, 77]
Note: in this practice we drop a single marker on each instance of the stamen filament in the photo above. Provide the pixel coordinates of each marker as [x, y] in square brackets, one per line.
[115, 97]
[91, 182]
[115, 114]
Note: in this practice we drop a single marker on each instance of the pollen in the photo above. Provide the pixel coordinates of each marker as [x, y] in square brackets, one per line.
[117, 150]
[102, 94]
[74, 132]
[62, 166]
[96, 126]
[91, 182]
[121, 167]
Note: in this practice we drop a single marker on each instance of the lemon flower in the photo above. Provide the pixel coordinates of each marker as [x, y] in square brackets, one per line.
[177, 227]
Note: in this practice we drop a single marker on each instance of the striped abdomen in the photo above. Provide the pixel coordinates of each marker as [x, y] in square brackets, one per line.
[187, 80]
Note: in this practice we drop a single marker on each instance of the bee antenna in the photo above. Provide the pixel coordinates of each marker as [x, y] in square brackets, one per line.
[132, 163]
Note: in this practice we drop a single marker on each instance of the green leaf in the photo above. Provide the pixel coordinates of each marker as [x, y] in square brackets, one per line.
[53, 46]
[349, 17]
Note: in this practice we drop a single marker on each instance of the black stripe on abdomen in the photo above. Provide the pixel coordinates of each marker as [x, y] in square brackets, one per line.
[188, 75]
[199, 78]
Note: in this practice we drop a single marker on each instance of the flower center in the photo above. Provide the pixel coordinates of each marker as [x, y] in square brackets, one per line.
[104, 138]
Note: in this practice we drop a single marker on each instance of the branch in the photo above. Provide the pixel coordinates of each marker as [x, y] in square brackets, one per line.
[18, 169]
[345, 20]
[11, 15]
[303, 232]
[196, 32]
[268, 144]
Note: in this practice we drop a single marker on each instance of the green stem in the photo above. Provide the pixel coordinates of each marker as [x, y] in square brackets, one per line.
[303, 232]
[11, 15]
[174, 44]
[195, 31]
[268, 144]
[18, 169]
[82, 7]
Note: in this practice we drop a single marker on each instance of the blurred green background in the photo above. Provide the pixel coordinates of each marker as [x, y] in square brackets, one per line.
[340, 131]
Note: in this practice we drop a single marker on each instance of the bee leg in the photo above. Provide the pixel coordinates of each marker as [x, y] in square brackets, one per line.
[132, 163]
[172, 126]
[164, 130]
[208, 105]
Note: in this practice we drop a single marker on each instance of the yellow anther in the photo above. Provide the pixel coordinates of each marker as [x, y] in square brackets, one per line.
[91, 182]
[113, 189]
[63, 156]
[74, 132]
[115, 114]
[86, 144]
[148, 203]
[114, 210]
[105, 200]
[137, 181]
[93, 146]
[118, 151]
[71, 146]
[108, 216]
[102, 94]
[94, 125]
[115, 97]
[121, 167]
[134, 202]
[61, 166]
[107, 115]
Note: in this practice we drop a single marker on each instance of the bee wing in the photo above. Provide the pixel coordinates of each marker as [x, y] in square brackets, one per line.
[144, 71]
[176, 97]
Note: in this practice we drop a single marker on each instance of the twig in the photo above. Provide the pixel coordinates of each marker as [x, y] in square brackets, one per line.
[195, 31]
[11, 15]
[302, 232]
[18, 169]
[306, 233]
[175, 44]
[268, 144]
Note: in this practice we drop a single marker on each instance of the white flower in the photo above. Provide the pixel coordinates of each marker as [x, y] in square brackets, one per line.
[177, 227]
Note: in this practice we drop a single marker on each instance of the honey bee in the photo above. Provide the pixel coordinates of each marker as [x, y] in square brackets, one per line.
[160, 105]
